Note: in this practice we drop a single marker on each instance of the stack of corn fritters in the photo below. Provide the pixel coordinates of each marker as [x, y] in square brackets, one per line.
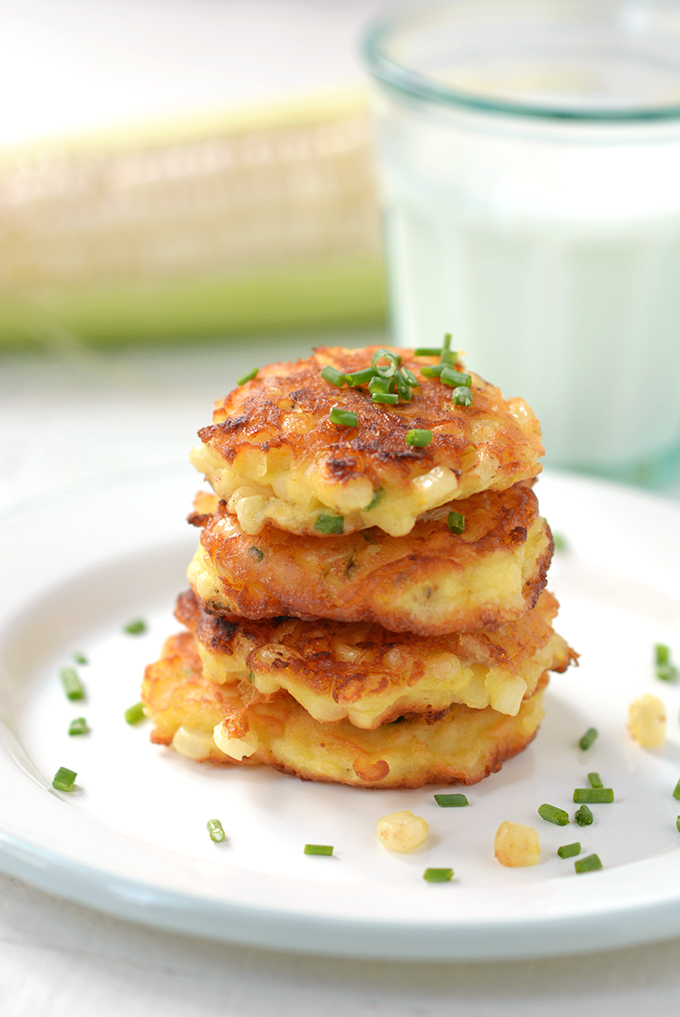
[336, 627]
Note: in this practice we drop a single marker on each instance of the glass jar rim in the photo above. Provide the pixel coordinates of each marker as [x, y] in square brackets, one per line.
[412, 84]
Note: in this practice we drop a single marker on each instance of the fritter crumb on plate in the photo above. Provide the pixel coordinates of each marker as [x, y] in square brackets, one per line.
[462, 747]
[429, 581]
[363, 673]
[273, 454]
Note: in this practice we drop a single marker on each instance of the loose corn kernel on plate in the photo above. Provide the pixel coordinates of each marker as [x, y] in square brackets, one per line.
[131, 838]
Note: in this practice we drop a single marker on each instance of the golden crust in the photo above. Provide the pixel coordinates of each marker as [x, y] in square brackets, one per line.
[273, 454]
[363, 673]
[462, 747]
[429, 581]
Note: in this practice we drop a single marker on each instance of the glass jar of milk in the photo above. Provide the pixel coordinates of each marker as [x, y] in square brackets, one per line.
[530, 165]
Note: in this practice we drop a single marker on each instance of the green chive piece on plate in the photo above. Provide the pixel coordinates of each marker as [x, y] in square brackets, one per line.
[387, 398]
[248, 377]
[456, 522]
[78, 726]
[64, 779]
[318, 849]
[662, 653]
[595, 780]
[438, 875]
[451, 801]
[593, 795]
[583, 816]
[588, 738]
[216, 831]
[588, 864]
[552, 814]
[569, 850]
[676, 793]
[427, 351]
[72, 684]
[433, 371]
[135, 713]
[136, 627]
[418, 438]
[80, 658]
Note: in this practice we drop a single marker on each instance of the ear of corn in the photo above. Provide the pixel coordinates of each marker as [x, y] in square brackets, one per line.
[266, 219]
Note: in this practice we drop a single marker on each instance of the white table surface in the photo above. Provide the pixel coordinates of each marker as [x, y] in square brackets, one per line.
[65, 420]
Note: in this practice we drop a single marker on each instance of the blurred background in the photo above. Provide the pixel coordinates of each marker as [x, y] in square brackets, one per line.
[186, 190]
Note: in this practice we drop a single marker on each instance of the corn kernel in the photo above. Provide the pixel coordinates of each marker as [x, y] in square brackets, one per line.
[401, 831]
[516, 845]
[235, 748]
[647, 721]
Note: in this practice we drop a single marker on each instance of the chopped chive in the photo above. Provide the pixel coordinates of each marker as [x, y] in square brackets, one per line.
[251, 677]
[588, 864]
[667, 672]
[256, 552]
[456, 522]
[379, 384]
[78, 726]
[389, 369]
[433, 371]
[135, 627]
[418, 438]
[409, 377]
[387, 397]
[451, 801]
[216, 830]
[318, 849]
[569, 850]
[135, 713]
[552, 814]
[72, 684]
[446, 345]
[427, 351]
[583, 816]
[438, 875]
[80, 658]
[345, 418]
[677, 824]
[455, 378]
[662, 653]
[595, 780]
[248, 377]
[593, 795]
[461, 396]
[676, 793]
[560, 542]
[360, 377]
[326, 523]
[332, 375]
[448, 357]
[64, 779]
[403, 388]
[588, 738]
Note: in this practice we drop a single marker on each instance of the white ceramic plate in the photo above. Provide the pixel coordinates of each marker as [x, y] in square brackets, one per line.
[133, 842]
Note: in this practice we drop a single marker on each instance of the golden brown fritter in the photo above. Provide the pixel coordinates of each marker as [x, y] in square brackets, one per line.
[429, 581]
[462, 747]
[370, 676]
[273, 454]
